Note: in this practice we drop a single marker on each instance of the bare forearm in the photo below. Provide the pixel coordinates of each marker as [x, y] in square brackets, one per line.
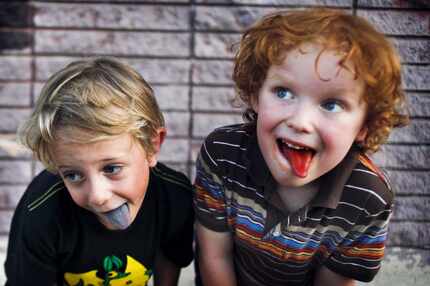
[166, 272]
[217, 271]
[215, 257]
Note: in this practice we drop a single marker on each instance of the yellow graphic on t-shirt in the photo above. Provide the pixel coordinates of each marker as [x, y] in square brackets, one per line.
[134, 274]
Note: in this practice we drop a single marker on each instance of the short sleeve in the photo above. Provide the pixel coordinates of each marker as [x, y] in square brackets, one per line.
[360, 254]
[209, 196]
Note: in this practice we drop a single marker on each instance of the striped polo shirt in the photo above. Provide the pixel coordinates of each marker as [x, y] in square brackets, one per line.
[344, 227]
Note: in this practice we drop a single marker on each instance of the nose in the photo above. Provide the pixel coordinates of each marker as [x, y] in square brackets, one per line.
[99, 192]
[301, 118]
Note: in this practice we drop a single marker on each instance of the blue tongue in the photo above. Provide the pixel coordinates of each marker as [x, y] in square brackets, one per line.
[119, 217]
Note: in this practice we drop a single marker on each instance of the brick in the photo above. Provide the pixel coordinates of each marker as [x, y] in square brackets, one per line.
[196, 145]
[399, 22]
[15, 94]
[160, 71]
[419, 104]
[418, 131]
[410, 182]
[109, 16]
[155, 71]
[5, 221]
[215, 45]
[112, 43]
[177, 123]
[47, 66]
[409, 234]
[398, 156]
[16, 42]
[10, 195]
[416, 77]
[339, 3]
[16, 15]
[174, 151]
[193, 173]
[172, 97]
[227, 18]
[11, 118]
[15, 172]
[212, 72]
[412, 208]
[413, 50]
[392, 4]
[213, 99]
[9, 147]
[15, 68]
[169, 97]
[205, 123]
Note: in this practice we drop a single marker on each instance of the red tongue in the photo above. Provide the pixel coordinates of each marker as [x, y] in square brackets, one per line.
[300, 160]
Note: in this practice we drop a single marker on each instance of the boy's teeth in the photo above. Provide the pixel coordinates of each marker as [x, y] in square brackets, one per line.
[289, 145]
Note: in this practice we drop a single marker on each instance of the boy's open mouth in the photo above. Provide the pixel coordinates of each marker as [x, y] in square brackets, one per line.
[298, 156]
[118, 217]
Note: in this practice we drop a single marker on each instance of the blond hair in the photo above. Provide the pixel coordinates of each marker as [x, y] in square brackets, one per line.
[374, 60]
[91, 100]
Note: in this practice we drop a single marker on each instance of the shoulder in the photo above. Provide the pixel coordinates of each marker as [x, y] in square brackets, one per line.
[368, 187]
[171, 182]
[226, 143]
[228, 135]
[43, 192]
[174, 201]
[39, 214]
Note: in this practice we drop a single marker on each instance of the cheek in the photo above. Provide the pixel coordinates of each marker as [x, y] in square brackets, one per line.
[77, 196]
[137, 186]
[267, 121]
[338, 140]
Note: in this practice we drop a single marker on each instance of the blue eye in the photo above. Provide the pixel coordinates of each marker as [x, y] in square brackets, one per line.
[283, 93]
[73, 177]
[332, 106]
[112, 169]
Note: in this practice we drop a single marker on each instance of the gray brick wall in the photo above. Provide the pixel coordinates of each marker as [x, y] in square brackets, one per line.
[183, 48]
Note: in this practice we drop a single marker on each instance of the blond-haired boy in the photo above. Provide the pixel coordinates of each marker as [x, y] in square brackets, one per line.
[106, 213]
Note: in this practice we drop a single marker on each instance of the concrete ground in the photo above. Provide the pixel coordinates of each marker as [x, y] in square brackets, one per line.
[400, 268]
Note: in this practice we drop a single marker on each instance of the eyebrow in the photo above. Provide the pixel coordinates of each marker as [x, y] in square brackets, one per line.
[102, 160]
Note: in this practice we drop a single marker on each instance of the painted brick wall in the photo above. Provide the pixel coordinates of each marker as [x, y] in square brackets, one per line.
[182, 47]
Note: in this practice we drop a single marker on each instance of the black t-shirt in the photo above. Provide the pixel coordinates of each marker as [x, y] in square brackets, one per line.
[54, 241]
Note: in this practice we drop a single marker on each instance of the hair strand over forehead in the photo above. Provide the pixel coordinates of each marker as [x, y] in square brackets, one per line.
[91, 100]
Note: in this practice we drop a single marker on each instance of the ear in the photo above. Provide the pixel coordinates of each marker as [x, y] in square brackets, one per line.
[361, 136]
[157, 141]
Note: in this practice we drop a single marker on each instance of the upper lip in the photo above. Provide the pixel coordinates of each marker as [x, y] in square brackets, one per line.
[111, 209]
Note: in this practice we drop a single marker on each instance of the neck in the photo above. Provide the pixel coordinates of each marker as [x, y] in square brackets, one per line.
[294, 198]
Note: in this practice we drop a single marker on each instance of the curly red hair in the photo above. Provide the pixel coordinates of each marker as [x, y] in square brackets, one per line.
[374, 59]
